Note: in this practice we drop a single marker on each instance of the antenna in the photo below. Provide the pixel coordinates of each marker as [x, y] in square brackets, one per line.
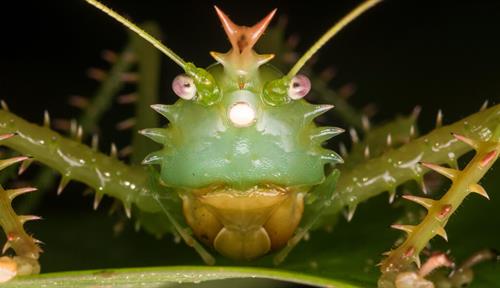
[146, 36]
[365, 6]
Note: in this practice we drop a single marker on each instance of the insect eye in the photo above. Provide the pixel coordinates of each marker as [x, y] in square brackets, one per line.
[184, 87]
[300, 85]
[281, 91]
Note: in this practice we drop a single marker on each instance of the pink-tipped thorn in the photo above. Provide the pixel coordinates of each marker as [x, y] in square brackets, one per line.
[365, 121]
[127, 98]
[109, 56]
[476, 188]
[126, 124]
[13, 193]
[426, 202]
[25, 218]
[96, 74]
[7, 162]
[489, 158]
[79, 102]
[130, 77]
[416, 112]
[347, 90]
[7, 136]
[24, 166]
[473, 143]
[113, 151]
[439, 118]
[447, 172]
[406, 228]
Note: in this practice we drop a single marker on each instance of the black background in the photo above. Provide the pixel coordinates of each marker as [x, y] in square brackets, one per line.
[442, 54]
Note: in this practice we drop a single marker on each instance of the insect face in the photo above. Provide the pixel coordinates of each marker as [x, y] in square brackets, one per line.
[242, 163]
[242, 149]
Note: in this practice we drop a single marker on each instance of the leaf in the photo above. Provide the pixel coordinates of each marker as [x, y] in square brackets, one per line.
[161, 276]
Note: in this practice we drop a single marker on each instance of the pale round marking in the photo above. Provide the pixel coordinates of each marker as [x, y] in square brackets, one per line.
[300, 85]
[241, 114]
[184, 87]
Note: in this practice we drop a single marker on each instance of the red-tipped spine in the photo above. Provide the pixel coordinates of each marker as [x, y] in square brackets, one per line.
[439, 211]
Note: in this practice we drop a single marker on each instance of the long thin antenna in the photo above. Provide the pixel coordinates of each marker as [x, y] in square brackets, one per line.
[365, 6]
[155, 42]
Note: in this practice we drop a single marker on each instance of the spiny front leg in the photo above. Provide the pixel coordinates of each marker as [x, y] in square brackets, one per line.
[26, 247]
[464, 182]
[397, 166]
[76, 161]
[106, 174]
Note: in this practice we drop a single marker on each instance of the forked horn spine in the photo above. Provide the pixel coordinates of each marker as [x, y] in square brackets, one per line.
[242, 37]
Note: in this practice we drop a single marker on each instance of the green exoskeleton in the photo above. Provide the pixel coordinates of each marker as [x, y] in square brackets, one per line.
[242, 150]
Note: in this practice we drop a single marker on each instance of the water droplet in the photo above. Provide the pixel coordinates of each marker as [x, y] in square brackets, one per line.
[451, 155]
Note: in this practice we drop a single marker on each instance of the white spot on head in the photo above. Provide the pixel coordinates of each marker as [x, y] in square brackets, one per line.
[241, 114]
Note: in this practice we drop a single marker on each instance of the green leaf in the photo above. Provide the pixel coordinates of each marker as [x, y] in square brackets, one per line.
[161, 276]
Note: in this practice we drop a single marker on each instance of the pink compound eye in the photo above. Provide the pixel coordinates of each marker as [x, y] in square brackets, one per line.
[299, 87]
[184, 87]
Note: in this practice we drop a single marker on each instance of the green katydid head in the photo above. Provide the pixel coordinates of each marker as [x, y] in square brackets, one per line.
[242, 148]
[241, 122]
[241, 63]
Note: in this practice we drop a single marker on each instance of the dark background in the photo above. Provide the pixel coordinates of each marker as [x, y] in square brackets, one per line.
[440, 54]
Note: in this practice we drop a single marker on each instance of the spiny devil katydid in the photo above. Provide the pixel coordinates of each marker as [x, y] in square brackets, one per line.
[242, 170]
